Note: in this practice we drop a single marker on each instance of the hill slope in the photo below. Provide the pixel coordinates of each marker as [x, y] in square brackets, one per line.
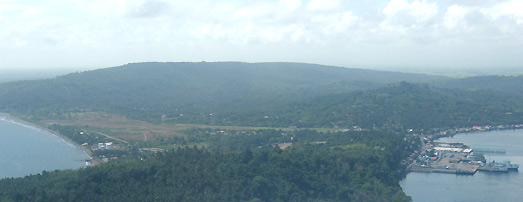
[407, 105]
[192, 90]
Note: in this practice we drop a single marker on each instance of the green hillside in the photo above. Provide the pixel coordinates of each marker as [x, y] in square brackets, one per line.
[408, 105]
[192, 90]
[270, 94]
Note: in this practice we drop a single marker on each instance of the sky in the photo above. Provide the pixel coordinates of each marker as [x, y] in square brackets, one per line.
[349, 33]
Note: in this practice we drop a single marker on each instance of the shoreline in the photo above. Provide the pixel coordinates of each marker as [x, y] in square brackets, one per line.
[9, 117]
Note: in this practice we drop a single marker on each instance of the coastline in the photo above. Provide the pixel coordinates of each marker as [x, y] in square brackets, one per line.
[9, 117]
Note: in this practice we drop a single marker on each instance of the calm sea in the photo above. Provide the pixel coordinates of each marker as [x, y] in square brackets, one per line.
[27, 150]
[483, 186]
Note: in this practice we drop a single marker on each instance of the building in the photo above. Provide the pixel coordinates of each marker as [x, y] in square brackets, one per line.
[103, 146]
[109, 145]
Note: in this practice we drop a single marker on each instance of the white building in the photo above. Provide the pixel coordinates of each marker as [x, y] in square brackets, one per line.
[107, 145]
[101, 146]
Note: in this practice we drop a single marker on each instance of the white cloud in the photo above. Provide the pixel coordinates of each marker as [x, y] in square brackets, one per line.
[149, 9]
[291, 5]
[261, 10]
[90, 31]
[337, 23]
[512, 8]
[454, 17]
[483, 24]
[323, 5]
[400, 12]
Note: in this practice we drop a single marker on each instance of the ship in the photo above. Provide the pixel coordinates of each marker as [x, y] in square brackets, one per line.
[512, 166]
[494, 166]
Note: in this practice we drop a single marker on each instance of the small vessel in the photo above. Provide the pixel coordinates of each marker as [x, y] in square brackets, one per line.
[503, 166]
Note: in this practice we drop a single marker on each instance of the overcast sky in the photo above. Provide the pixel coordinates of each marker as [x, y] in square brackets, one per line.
[351, 33]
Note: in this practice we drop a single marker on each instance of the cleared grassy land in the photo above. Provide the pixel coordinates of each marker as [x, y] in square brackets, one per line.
[119, 126]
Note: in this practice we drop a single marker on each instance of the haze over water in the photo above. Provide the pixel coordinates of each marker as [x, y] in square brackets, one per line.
[482, 186]
[27, 150]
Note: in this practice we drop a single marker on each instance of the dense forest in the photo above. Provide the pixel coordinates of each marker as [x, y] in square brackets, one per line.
[351, 166]
[407, 105]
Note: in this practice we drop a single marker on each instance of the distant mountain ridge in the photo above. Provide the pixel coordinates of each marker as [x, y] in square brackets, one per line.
[505, 84]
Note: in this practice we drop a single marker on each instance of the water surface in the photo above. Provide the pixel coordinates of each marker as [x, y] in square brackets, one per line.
[27, 150]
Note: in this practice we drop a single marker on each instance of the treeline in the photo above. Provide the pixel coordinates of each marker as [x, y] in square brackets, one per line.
[398, 145]
[308, 173]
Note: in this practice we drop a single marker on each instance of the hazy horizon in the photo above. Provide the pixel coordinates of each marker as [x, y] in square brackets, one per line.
[14, 74]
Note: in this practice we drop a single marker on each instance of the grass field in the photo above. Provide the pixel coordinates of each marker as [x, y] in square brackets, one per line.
[119, 126]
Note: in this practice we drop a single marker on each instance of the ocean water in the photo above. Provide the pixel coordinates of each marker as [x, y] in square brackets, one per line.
[28, 150]
[482, 186]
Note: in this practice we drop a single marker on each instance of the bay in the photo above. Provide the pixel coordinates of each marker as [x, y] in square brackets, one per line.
[482, 186]
[26, 150]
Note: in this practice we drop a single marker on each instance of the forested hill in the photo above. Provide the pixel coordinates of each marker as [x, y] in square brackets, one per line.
[407, 105]
[270, 94]
[150, 90]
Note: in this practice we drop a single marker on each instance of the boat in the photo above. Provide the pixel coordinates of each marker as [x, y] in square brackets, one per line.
[494, 166]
